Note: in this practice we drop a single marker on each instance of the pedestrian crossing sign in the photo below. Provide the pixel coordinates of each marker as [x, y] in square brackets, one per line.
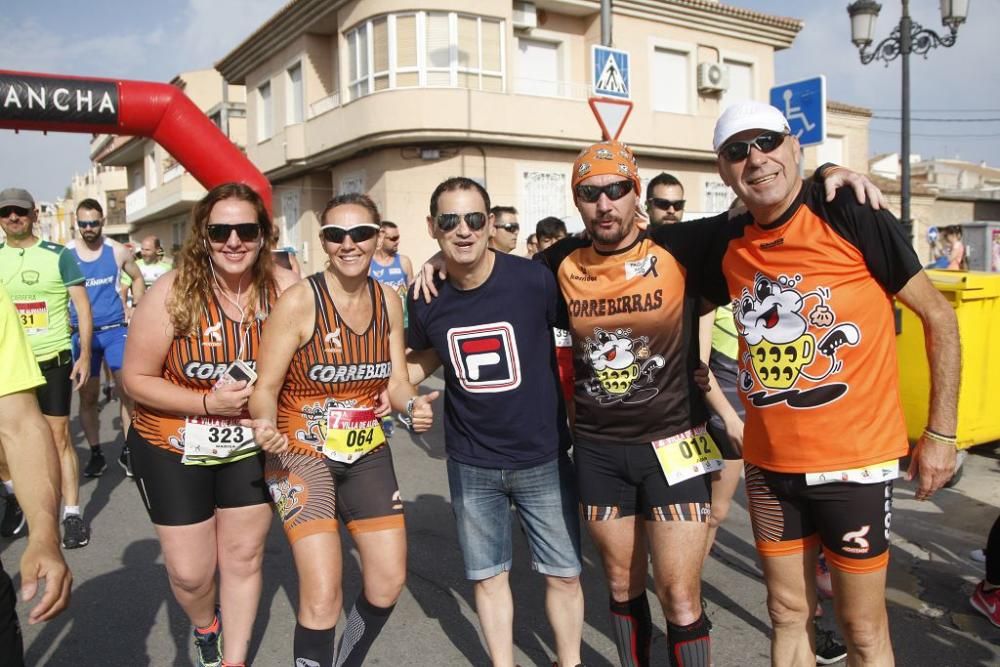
[611, 72]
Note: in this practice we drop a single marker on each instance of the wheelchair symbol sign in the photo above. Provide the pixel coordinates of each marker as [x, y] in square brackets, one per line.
[803, 104]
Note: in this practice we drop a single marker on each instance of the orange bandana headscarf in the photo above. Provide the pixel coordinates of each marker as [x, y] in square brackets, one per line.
[607, 157]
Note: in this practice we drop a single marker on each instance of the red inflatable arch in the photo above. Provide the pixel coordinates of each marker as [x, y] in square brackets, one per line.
[55, 103]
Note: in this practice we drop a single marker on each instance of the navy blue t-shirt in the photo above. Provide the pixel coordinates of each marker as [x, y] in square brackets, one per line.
[502, 406]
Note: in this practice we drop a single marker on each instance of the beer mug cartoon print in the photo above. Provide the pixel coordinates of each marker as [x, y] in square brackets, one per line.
[782, 352]
[623, 367]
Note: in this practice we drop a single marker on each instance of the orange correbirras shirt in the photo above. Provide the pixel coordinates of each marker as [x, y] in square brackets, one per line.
[336, 367]
[812, 302]
[197, 362]
[633, 317]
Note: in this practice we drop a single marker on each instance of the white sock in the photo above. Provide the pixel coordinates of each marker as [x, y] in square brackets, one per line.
[9, 486]
[71, 509]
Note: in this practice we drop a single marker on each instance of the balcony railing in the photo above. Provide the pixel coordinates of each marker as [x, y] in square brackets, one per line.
[135, 201]
[173, 172]
[322, 106]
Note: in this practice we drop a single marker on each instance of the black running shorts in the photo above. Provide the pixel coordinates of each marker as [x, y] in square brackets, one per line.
[617, 480]
[850, 520]
[11, 644]
[312, 493]
[55, 395]
[181, 495]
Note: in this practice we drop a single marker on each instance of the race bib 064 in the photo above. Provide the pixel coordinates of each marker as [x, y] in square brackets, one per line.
[351, 433]
[688, 455]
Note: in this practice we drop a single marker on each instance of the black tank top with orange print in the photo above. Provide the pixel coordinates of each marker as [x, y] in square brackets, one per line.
[196, 361]
[336, 367]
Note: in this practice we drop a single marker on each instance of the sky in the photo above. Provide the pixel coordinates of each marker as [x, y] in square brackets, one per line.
[156, 41]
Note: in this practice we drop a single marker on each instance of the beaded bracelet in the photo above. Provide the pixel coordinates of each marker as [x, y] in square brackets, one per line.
[940, 437]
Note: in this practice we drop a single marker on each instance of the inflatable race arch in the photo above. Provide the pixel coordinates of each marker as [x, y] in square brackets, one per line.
[160, 111]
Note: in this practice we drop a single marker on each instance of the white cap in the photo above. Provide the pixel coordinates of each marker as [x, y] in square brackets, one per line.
[749, 115]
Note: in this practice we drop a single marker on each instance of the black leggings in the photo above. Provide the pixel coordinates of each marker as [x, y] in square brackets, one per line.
[993, 554]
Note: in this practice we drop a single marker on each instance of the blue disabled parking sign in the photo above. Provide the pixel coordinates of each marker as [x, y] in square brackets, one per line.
[611, 72]
[803, 104]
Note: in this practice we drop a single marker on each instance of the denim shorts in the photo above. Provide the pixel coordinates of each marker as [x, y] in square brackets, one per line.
[546, 502]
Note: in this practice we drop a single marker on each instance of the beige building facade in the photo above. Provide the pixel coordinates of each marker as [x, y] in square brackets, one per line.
[160, 192]
[389, 98]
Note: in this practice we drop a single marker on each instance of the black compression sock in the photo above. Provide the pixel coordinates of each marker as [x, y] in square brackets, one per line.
[690, 645]
[633, 630]
[993, 554]
[314, 647]
[364, 624]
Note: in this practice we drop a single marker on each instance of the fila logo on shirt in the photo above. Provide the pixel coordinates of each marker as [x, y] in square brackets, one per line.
[484, 357]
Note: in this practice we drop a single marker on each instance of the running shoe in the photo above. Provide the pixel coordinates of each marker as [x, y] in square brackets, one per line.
[96, 465]
[388, 426]
[829, 650]
[823, 584]
[987, 603]
[125, 461]
[106, 390]
[209, 644]
[75, 532]
[13, 518]
[978, 555]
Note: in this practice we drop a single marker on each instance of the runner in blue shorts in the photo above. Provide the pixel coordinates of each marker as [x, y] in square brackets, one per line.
[102, 261]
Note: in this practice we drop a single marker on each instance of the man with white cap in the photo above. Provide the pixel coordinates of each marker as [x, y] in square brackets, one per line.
[811, 279]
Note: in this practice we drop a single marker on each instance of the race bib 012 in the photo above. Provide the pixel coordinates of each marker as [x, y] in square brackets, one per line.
[688, 455]
[351, 433]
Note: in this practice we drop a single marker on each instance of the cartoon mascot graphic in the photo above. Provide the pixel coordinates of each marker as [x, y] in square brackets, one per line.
[623, 368]
[780, 349]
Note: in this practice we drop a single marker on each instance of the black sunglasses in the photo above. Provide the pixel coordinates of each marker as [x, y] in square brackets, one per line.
[246, 231]
[511, 227]
[664, 204]
[89, 224]
[614, 191]
[358, 233]
[20, 211]
[449, 221]
[765, 142]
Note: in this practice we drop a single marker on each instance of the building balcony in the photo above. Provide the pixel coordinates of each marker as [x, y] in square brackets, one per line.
[175, 196]
[536, 114]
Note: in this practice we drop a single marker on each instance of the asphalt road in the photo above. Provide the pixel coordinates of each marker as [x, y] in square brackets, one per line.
[122, 612]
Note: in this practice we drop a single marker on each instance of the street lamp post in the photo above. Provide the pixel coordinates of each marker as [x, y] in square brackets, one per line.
[906, 38]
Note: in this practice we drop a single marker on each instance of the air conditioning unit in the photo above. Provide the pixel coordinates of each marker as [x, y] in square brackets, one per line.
[712, 78]
[525, 16]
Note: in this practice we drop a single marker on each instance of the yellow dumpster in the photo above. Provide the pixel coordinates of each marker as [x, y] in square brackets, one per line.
[975, 296]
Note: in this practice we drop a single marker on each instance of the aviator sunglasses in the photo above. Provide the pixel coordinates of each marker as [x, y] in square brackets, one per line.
[89, 224]
[614, 191]
[358, 233]
[765, 142]
[511, 227]
[446, 222]
[246, 231]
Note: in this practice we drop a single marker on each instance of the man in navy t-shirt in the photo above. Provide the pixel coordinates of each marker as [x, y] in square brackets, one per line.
[505, 426]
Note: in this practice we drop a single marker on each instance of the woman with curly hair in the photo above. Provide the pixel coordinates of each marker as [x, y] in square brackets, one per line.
[332, 345]
[189, 363]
